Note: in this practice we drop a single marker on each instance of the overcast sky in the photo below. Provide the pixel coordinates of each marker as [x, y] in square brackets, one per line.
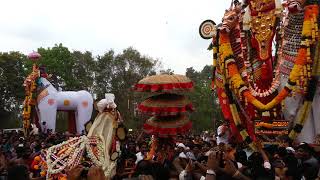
[163, 29]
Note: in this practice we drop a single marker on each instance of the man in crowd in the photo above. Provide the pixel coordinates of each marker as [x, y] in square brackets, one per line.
[223, 132]
[142, 154]
[309, 164]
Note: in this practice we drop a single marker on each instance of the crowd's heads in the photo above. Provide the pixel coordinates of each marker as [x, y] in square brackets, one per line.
[304, 151]
[16, 172]
[143, 147]
[131, 146]
[21, 139]
[181, 147]
[206, 147]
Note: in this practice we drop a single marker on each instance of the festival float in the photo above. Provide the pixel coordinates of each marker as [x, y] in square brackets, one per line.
[167, 105]
[42, 101]
[266, 68]
[100, 147]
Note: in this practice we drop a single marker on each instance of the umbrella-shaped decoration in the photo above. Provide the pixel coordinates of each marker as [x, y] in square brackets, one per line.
[34, 56]
[164, 83]
[165, 105]
[167, 126]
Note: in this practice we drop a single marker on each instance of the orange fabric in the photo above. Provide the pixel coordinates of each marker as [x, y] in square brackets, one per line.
[233, 69]
[310, 11]
[302, 56]
[249, 96]
[282, 95]
[224, 38]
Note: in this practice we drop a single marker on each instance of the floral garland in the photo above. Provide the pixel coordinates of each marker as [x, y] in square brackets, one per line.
[303, 61]
[30, 99]
[153, 149]
[39, 164]
[311, 89]
[73, 150]
[64, 149]
[226, 56]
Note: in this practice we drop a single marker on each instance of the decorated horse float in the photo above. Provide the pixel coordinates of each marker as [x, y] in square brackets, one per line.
[266, 68]
[43, 100]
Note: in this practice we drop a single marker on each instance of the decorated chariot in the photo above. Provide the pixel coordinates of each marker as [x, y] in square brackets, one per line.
[266, 68]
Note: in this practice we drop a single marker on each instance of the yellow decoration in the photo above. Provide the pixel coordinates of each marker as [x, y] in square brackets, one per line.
[37, 158]
[30, 87]
[295, 73]
[66, 102]
[43, 173]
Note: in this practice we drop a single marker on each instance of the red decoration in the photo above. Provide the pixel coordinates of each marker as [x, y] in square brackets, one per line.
[165, 132]
[50, 102]
[85, 104]
[165, 111]
[163, 87]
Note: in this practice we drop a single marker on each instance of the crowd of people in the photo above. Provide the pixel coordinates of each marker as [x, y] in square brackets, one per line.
[186, 157]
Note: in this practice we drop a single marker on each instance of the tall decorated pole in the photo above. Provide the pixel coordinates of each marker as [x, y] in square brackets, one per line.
[30, 85]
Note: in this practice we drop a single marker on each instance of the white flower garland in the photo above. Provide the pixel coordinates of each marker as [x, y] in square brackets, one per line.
[91, 154]
[52, 150]
[75, 147]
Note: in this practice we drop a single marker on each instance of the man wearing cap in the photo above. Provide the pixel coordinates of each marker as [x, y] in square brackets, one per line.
[181, 150]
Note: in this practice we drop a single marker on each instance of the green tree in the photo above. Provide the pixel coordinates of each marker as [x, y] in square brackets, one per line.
[103, 74]
[128, 68]
[204, 100]
[59, 62]
[11, 89]
[83, 71]
[167, 71]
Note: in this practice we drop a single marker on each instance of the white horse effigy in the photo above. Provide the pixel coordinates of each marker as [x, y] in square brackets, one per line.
[42, 101]
[49, 101]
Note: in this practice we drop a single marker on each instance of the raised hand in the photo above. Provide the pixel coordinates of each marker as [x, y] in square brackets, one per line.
[96, 173]
[189, 166]
[74, 174]
[229, 168]
[213, 161]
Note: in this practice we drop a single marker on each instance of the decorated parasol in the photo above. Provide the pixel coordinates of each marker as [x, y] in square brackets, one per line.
[167, 126]
[165, 105]
[164, 83]
[168, 107]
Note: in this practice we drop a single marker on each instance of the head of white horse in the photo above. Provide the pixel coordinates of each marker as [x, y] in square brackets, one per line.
[44, 84]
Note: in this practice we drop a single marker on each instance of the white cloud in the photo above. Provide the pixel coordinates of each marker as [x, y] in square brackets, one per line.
[166, 29]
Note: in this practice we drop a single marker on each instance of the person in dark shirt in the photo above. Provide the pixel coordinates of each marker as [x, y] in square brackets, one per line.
[308, 163]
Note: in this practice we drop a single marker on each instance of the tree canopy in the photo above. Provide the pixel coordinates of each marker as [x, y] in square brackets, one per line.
[110, 72]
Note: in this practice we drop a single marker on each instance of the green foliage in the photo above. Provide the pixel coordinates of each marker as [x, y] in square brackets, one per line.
[59, 62]
[168, 71]
[208, 113]
[108, 73]
[83, 71]
[11, 89]
[103, 72]
[128, 68]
